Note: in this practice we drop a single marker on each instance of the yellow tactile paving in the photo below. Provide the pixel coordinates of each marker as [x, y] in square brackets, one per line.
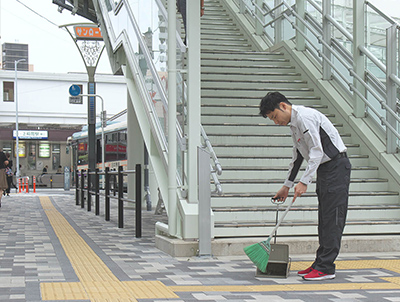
[150, 289]
[63, 291]
[98, 283]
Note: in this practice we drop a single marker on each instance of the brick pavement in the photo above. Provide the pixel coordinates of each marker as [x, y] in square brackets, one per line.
[34, 258]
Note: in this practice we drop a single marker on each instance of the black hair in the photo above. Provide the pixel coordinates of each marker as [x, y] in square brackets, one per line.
[271, 102]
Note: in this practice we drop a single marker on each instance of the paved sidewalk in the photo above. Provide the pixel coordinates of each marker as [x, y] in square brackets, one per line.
[53, 250]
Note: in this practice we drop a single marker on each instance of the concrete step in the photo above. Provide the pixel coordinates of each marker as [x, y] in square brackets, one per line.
[213, 114]
[214, 82]
[271, 161]
[259, 92]
[246, 69]
[249, 76]
[242, 55]
[273, 185]
[275, 139]
[242, 128]
[234, 200]
[266, 150]
[225, 46]
[353, 227]
[265, 172]
[300, 214]
[249, 105]
[249, 62]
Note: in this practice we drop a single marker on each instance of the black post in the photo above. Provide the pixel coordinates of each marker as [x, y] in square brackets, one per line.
[82, 188]
[89, 194]
[114, 184]
[138, 200]
[77, 188]
[107, 193]
[120, 197]
[97, 200]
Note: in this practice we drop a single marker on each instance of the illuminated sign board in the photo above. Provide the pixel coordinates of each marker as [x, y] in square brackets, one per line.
[21, 149]
[44, 150]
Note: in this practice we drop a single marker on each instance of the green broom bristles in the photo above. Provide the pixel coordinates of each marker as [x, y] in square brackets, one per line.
[259, 254]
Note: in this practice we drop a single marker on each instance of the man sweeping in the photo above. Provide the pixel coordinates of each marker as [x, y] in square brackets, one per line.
[317, 141]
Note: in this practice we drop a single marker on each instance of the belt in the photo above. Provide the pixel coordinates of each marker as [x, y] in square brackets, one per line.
[340, 155]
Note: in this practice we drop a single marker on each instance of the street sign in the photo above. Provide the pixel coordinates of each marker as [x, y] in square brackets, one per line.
[74, 90]
[75, 100]
[88, 33]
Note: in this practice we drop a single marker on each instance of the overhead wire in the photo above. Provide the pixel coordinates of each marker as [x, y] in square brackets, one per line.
[40, 15]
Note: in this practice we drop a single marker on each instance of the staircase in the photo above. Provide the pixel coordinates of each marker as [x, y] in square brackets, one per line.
[255, 153]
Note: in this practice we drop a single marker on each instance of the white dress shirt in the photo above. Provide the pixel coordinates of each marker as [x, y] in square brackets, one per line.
[315, 139]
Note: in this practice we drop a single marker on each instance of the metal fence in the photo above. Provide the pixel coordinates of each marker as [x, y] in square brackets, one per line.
[88, 187]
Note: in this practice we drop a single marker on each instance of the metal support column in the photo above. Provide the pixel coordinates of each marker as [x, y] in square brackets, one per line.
[359, 62]
[172, 148]
[391, 88]
[89, 189]
[326, 36]
[279, 22]
[194, 99]
[204, 203]
[301, 11]
[91, 120]
[259, 17]
[138, 201]
[120, 197]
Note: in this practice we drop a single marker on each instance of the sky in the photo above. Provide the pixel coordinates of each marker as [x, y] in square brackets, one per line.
[51, 49]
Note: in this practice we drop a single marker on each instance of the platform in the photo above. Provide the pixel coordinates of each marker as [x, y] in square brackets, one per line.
[53, 250]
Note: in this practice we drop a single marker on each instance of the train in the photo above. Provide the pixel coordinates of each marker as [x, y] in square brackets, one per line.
[115, 146]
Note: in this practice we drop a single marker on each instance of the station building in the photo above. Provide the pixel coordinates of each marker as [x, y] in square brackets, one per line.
[47, 115]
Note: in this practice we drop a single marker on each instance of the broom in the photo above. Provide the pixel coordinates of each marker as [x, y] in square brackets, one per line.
[259, 252]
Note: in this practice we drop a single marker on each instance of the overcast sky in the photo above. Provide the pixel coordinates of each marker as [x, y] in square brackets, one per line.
[51, 49]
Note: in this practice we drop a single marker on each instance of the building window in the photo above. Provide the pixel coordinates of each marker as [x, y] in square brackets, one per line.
[8, 91]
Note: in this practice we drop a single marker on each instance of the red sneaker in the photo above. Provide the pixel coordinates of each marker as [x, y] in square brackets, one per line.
[317, 275]
[305, 272]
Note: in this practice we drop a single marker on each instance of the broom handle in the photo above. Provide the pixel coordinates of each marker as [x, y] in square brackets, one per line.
[281, 219]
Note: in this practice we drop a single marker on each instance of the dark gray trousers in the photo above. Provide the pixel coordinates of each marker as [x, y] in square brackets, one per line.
[333, 180]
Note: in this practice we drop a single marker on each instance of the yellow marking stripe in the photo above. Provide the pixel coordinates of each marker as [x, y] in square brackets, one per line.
[98, 283]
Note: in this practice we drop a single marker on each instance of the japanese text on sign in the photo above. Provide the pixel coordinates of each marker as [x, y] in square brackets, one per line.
[87, 32]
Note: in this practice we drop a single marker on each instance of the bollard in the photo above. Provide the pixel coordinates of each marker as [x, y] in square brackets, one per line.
[34, 184]
[19, 185]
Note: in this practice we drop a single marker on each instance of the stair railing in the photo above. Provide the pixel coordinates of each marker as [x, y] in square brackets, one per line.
[372, 81]
[153, 65]
[216, 168]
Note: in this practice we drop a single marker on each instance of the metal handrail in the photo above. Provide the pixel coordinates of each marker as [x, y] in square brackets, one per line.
[352, 73]
[337, 50]
[217, 168]
[160, 87]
